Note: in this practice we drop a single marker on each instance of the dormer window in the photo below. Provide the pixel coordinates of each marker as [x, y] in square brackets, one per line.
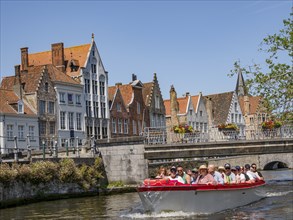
[20, 107]
[93, 53]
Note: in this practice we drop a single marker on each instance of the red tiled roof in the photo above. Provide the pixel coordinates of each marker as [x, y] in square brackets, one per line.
[195, 100]
[8, 97]
[111, 92]
[77, 53]
[32, 77]
[182, 102]
[167, 104]
[126, 92]
[254, 102]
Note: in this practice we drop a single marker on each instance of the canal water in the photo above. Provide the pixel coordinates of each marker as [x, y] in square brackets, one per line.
[278, 204]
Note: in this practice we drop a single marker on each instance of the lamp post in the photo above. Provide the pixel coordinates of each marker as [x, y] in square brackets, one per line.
[66, 145]
[15, 150]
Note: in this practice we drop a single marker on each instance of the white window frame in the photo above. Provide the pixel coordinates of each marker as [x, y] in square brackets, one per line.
[125, 126]
[9, 132]
[114, 130]
[21, 132]
[70, 120]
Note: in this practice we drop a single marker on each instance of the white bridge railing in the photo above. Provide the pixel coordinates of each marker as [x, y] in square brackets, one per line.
[164, 135]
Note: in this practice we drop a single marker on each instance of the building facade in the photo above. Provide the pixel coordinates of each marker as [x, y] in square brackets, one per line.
[83, 63]
[154, 101]
[18, 123]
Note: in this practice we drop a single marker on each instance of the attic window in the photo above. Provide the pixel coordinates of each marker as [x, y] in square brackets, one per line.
[73, 66]
[20, 107]
[93, 53]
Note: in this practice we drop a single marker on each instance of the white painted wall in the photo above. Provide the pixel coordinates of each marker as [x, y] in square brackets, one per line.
[75, 108]
[15, 120]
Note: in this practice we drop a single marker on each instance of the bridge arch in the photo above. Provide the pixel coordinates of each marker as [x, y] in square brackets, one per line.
[275, 165]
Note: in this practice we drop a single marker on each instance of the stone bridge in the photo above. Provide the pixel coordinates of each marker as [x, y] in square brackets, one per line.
[133, 161]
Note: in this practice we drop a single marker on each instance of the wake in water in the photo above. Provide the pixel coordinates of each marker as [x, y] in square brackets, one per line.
[167, 215]
[274, 194]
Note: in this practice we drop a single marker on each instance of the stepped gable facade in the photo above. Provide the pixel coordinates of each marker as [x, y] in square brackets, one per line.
[128, 98]
[154, 101]
[84, 64]
[224, 108]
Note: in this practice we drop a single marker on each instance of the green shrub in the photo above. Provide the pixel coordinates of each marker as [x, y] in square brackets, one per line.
[7, 174]
[68, 172]
[115, 184]
[24, 172]
[43, 172]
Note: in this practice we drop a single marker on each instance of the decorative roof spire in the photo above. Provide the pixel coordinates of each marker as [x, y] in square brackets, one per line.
[93, 36]
[240, 85]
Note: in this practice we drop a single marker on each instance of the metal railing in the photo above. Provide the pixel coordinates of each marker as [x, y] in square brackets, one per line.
[165, 135]
[49, 147]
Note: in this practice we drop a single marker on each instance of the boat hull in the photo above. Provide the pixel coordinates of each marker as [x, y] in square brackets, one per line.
[199, 199]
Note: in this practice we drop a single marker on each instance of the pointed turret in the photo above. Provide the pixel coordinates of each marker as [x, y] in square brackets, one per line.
[240, 85]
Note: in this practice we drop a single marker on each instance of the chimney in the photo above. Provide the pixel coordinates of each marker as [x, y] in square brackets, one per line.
[187, 94]
[174, 107]
[58, 56]
[246, 105]
[17, 70]
[24, 58]
[118, 84]
[134, 77]
[210, 110]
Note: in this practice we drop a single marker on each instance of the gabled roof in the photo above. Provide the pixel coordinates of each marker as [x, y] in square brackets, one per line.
[7, 99]
[254, 102]
[146, 92]
[220, 106]
[111, 92]
[31, 78]
[127, 93]
[182, 103]
[195, 100]
[77, 54]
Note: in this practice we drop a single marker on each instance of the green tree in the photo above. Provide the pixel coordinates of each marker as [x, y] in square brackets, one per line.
[274, 82]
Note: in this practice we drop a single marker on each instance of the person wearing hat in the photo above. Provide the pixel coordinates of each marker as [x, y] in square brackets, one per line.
[174, 177]
[230, 177]
[240, 177]
[204, 177]
[194, 175]
[217, 176]
[222, 170]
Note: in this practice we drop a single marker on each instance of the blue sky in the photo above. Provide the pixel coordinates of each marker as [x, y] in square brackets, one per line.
[190, 44]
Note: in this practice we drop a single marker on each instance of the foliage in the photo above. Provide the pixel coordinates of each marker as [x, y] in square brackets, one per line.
[229, 126]
[65, 171]
[7, 174]
[68, 172]
[115, 184]
[274, 82]
[271, 124]
[43, 172]
[182, 129]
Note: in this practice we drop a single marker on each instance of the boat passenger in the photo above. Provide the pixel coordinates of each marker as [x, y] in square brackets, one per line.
[204, 177]
[240, 177]
[230, 177]
[185, 176]
[174, 177]
[254, 170]
[194, 175]
[217, 175]
[162, 173]
[252, 176]
[247, 178]
[221, 170]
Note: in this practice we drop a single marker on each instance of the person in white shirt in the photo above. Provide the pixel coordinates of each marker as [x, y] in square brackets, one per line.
[174, 177]
[252, 176]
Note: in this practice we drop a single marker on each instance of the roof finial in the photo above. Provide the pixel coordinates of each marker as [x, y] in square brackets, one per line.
[93, 36]
[155, 76]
